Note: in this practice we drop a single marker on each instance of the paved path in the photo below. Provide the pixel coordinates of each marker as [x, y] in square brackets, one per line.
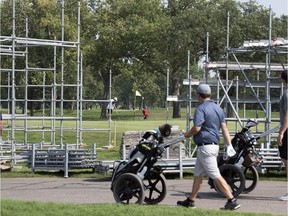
[80, 190]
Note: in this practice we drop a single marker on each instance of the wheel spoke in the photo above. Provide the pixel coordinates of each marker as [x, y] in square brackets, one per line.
[234, 187]
[236, 179]
[135, 195]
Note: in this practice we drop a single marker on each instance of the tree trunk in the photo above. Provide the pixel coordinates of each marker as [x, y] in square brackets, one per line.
[176, 110]
[103, 114]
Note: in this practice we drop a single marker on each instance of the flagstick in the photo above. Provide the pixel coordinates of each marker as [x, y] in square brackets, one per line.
[134, 107]
[137, 93]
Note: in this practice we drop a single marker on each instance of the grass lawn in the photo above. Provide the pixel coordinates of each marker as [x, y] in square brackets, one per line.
[122, 120]
[24, 208]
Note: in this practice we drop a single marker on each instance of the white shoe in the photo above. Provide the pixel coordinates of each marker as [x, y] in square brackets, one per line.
[283, 198]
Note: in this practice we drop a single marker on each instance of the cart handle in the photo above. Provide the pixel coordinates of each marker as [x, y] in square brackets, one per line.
[173, 141]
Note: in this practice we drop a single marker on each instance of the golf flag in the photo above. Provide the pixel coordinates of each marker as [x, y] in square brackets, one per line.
[137, 93]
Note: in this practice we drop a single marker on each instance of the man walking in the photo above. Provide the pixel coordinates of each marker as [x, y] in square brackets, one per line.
[208, 119]
[282, 139]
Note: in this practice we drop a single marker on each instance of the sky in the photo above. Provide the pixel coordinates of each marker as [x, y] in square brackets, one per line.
[279, 7]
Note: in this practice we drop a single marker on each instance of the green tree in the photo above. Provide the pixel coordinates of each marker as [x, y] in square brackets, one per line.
[136, 40]
[125, 34]
[44, 22]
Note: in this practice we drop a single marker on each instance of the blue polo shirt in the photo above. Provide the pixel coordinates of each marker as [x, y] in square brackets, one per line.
[283, 105]
[209, 117]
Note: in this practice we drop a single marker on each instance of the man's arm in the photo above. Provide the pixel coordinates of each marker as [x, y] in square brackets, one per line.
[229, 150]
[225, 133]
[283, 128]
[193, 131]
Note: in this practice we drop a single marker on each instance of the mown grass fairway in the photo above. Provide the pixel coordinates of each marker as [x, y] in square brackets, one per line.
[122, 120]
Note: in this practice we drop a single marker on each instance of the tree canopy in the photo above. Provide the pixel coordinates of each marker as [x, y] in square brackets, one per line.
[136, 40]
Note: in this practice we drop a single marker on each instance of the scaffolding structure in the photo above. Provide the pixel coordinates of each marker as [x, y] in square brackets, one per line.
[52, 93]
[271, 46]
[277, 46]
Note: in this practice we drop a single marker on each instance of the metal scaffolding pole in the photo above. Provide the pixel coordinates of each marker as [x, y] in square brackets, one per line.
[13, 105]
[188, 103]
[79, 84]
[227, 62]
[268, 80]
[52, 93]
[26, 85]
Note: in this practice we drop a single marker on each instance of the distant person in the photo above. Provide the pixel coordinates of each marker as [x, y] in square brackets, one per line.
[282, 139]
[145, 113]
[111, 105]
[1, 126]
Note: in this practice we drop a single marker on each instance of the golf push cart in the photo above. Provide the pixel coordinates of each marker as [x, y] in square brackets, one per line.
[138, 180]
[239, 171]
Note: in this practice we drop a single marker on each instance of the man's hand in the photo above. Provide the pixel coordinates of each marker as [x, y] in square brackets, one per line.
[279, 139]
[228, 152]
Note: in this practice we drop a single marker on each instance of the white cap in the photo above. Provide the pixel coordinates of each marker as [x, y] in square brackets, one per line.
[115, 98]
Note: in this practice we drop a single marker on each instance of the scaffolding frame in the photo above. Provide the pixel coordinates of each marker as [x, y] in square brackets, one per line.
[12, 49]
[265, 46]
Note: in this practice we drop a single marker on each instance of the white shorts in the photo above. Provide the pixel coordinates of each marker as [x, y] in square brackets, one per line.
[206, 162]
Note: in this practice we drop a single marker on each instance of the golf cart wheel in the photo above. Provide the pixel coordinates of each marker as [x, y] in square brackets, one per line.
[234, 178]
[155, 188]
[252, 177]
[128, 189]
